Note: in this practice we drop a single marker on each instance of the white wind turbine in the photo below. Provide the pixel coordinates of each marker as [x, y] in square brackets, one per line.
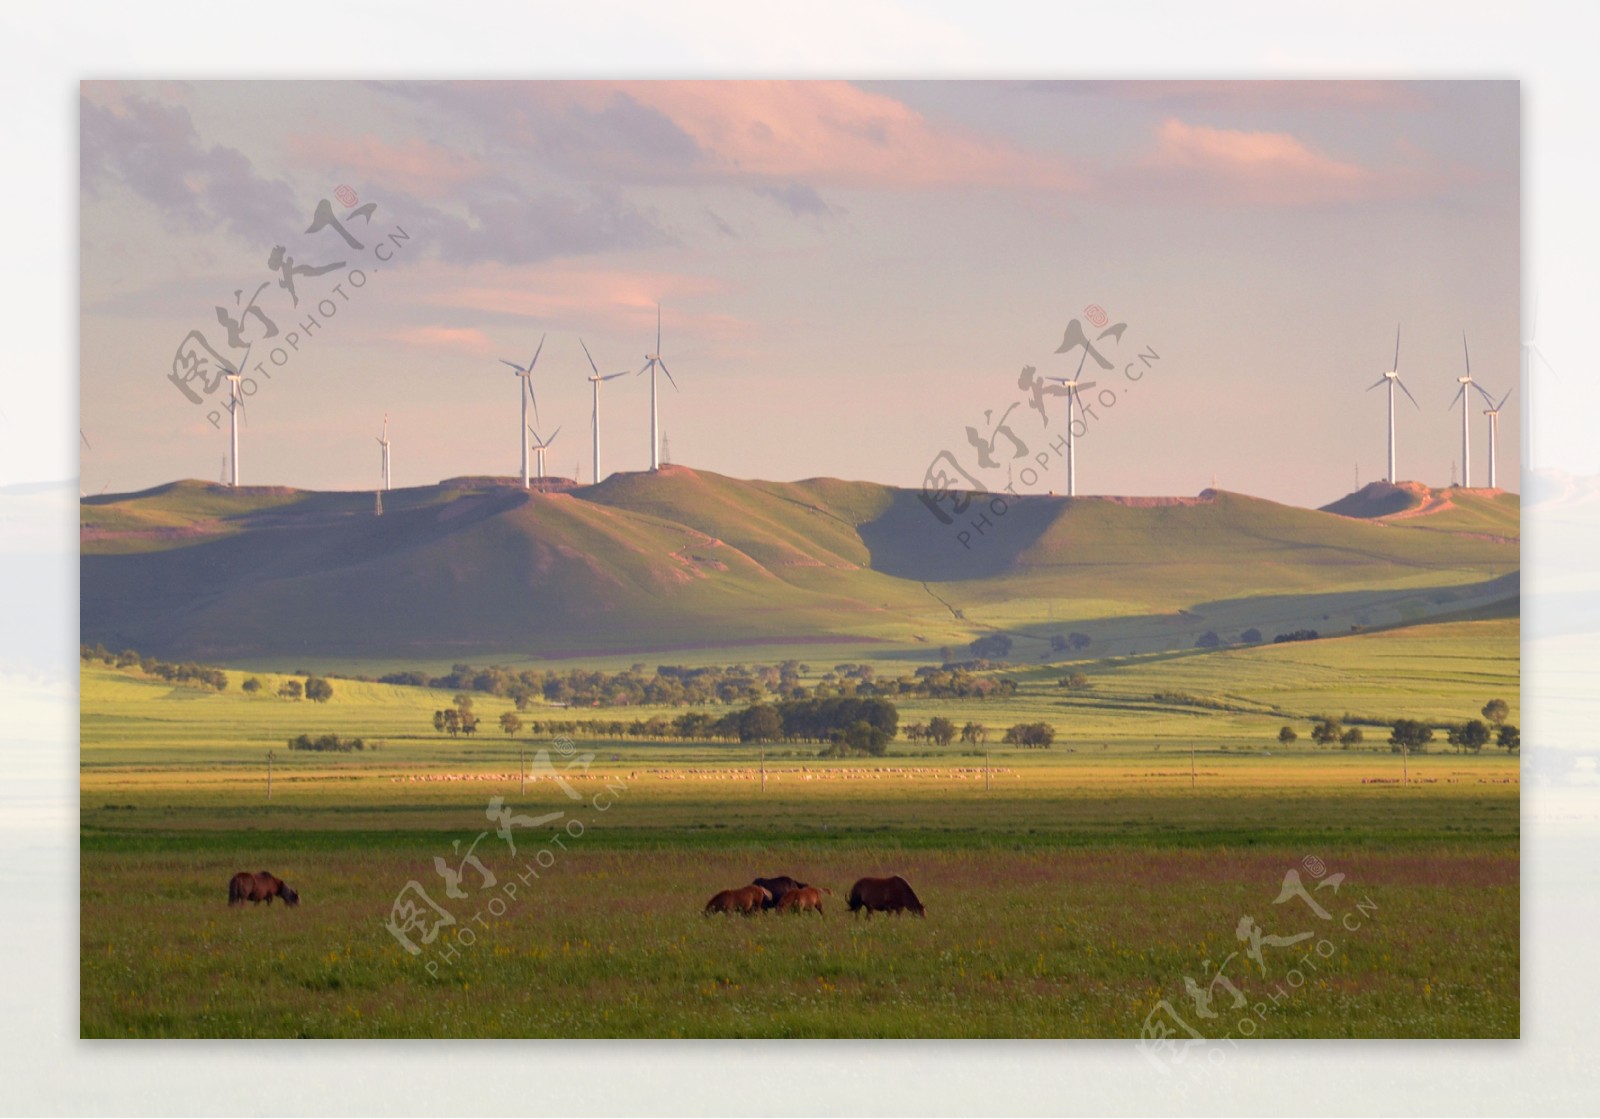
[1493, 412]
[525, 375]
[651, 361]
[1392, 378]
[594, 420]
[235, 407]
[539, 447]
[383, 441]
[1073, 385]
[1466, 382]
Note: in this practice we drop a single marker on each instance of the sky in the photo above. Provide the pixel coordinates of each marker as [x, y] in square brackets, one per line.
[851, 275]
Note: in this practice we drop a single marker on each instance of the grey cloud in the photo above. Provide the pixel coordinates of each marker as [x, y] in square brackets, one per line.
[154, 150]
[798, 199]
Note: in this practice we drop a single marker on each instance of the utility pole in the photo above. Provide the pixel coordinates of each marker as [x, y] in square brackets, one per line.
[986, 771]
[1191, 766]
[1405, 768]
[270, 756]
[763, 769]
[522, 772]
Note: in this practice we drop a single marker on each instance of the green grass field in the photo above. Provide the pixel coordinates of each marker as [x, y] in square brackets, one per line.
[1069, 893]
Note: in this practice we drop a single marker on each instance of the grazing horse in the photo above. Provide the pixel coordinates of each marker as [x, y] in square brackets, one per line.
[779, 888]
[259, 887]
[806, 897]
[887, 895]
[746, 900]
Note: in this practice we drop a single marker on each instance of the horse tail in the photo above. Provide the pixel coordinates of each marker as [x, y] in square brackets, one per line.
[235, 892]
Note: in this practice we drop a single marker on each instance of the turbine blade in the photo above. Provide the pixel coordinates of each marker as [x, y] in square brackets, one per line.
[1085, 385]
[1465, 354]
[590, 356]
[85, 439]
[1407, 391]
[668, 372]
[1396, 366]
[1460, 392]
[535, 359]
[643, 367]
[552, 438]
[614, 376]
[1378, 384]
[513, 365]
[1505, 398]
[1483, 393]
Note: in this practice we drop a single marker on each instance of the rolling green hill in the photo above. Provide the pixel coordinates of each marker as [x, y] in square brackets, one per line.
[686, 559]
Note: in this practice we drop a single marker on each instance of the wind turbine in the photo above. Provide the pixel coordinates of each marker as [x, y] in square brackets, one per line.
[539, 448]
[1466, 382]
[594, 422]
[1493, 412]
[651, 360]
[1073, 385]
[383, 442]
[525, 374]
[235, 406]
[1392, 378]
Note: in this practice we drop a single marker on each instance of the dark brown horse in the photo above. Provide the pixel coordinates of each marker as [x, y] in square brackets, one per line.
[259, 887]
[779, 888]
[887, 895]
[746, 900]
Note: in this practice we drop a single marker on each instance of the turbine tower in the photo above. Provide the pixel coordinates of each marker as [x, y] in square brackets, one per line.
[651, 361]
[1466, 382]
[1493, 412]
[525, 375]
[1073, 385]
[539, 448]
[383, 441]
[594, 420]
[1392, 378]
[235, 406]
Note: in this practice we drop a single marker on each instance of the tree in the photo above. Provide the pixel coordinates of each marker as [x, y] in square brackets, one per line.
[1326, 732]
[1286, 735]
[1410, 735]
[1496, 711]
[1078, 641]
[1208, 640]
[1058, 643]
[251, 686]
[1351, 737]
[510, 723]
[318, 689]
[438, 722]
[1032, 735]
[941, 730]
[1251, 636]
[947, 654]
[991, 647]
[452, 721]
[916, 731]
[1075, 681]
[290, 689]
[1509, 737]
[760, 724]
[974, 733]
[865, 738]
[1473, 735]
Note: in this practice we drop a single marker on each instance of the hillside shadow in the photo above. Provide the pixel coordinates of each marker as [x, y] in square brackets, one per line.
[909, 542]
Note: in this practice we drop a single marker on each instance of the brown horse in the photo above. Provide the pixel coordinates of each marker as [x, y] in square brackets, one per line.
[746, 900]
[259, 887]
[887, 895]
[806, 897]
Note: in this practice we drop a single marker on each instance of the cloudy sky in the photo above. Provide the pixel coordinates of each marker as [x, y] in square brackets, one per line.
[851, 275]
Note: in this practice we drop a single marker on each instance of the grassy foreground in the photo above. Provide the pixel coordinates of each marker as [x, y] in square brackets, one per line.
[1071, 897]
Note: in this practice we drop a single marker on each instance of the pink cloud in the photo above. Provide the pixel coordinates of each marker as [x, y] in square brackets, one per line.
[1257, 168]
[1267, 95]
[830, 133]
[458, 339]
[417, 167]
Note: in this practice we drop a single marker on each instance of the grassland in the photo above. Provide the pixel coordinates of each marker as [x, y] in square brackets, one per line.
[1069, 891]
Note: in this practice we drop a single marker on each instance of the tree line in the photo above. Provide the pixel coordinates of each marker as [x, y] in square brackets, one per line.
[1415, 735]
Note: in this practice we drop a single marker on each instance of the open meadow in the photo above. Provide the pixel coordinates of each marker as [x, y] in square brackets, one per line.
[1070, 892]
